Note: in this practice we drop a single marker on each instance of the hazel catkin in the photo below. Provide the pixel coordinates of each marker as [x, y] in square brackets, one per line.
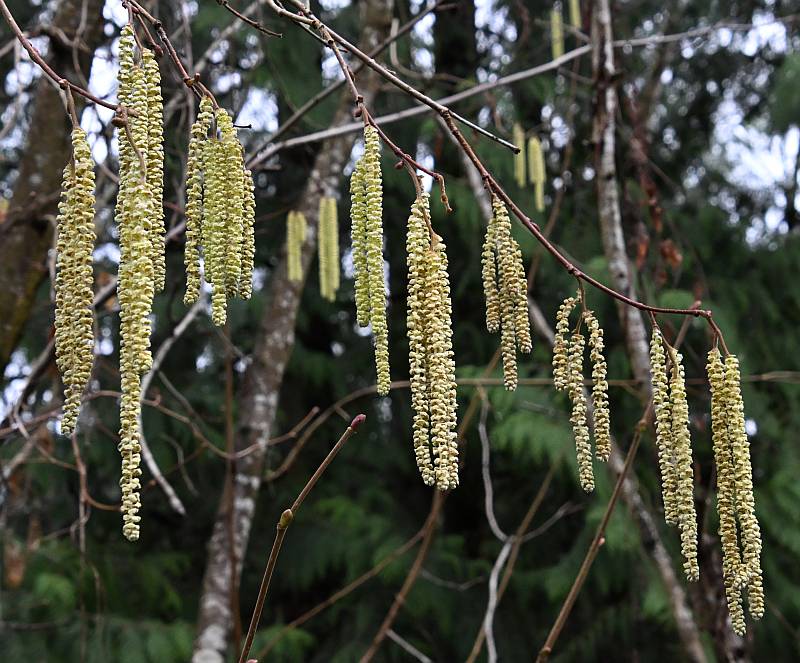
[536, 170]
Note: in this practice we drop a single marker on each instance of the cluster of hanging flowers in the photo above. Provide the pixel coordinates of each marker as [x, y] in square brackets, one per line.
[531, 168]
[74, 333]
[366, 214]
[739, 531]
[431, 363]
[328, 248]
[220, 212]
[568, 376]
[296, 229]
[506, 291]
[139, 214]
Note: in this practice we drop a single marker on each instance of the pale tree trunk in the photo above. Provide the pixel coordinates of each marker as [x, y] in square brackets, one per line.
[621, 270]
[262, 382]
[26, 235]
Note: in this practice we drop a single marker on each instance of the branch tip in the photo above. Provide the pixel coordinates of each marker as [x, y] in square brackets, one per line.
[357, 421]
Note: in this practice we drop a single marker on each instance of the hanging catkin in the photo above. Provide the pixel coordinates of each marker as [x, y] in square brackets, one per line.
[295, 236]
[751, 575]
[432, 368]
[663, 417]
[536, 170]
[556, 32]
[505, 289]
[328, 248]
[726, 491]
[575, 14]
[155, 164]
[580, 428]
[248, 240]
[366, 214]
[600, 411]
[135, 287]
[684, 474]
[518, 136]
[74, 334]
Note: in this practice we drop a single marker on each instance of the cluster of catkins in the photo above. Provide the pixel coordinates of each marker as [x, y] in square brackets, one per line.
[506, 290]
[220, 212]
[431, 363]
[534, 163]
[328, 248]
[741, 567]
[139, 214]
[568, 376]
[296, 228]
[366, 214]
[74, 332]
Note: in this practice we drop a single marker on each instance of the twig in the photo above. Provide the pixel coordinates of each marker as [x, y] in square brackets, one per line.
[597, 542]
[283, 524]
[408, 647]
[252, 23]
[486, 472]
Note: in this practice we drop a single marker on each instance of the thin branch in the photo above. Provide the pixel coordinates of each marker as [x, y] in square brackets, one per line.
[283, 524]
[408, 647]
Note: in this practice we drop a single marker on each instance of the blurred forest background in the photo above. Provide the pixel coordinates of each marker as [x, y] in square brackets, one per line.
[706, 163]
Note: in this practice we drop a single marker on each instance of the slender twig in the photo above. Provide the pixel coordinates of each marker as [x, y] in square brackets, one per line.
[597, 542]
[252, 23]
[406, 646]
[283, 524]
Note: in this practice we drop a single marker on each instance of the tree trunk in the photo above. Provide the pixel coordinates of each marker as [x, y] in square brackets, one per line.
[27, 233]
[262, 382]
[604, 130]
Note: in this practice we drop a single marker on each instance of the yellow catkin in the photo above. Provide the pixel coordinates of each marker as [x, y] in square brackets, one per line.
[248, 236]
[560, 346]
[295, 236]
[431, 363]
[575, 14]
[134, 212]
[374, 251]
[155, 163]
[556, 32]
[536, 170]
[687, 517]
[663, 423]
[726, 490]
[358, 234]
[233, 159]
[328, 248]
[194, 200]
[74, 333]
[506, 291]
[745, 499]
[600, 410]
[518, 136]
[580, 428]
[215, 201]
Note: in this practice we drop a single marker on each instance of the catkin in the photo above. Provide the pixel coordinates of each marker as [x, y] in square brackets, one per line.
[751, 575]
[560, 348]
[518, 136]
[135, 289]
[575, 14]
[358, 233]
[74, 333]
[663, 417]
[155, 164]
[580, 428]
[295, 236]
[505, 290]
[194, 199]
[600, 410]
[726, 490]
[328, 248]
[684, 474]
[248, 238]
[536, 169]
[215, 201]
[556, 32]
[431, 363]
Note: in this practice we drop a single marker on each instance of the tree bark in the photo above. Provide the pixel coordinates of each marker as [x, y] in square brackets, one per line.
[610, 217]
[27, 233]
[262, 382]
